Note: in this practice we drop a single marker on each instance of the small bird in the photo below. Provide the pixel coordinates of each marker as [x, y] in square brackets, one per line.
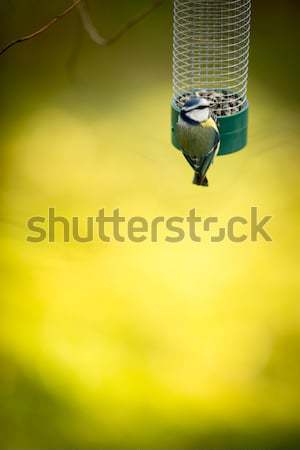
[198, 136]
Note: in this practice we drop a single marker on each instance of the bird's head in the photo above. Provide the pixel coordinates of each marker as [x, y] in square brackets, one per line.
[196, 110]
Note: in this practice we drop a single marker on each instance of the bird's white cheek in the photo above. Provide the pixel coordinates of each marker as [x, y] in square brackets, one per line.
[199, 115]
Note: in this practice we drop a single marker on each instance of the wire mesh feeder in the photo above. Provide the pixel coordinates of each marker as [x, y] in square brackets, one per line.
[210, 59]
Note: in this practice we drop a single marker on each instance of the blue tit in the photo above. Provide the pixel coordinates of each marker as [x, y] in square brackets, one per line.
[198, 136]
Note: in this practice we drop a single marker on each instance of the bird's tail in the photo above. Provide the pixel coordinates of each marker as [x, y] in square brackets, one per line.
[200, 180]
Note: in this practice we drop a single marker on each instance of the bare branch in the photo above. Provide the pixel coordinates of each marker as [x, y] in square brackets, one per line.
[88, 25]
[100, 40]
[41, 30]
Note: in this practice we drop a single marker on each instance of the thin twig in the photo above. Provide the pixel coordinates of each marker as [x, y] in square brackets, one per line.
[41, 30]
[88, 24]
[100, 40]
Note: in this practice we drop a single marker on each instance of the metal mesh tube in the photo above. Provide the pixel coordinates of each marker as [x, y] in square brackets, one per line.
[211, 52]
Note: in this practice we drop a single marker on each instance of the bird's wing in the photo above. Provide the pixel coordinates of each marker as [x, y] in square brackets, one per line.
[185, 135]
[209, 159]
[217, 143]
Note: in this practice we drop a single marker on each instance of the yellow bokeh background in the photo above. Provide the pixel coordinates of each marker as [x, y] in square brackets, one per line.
[151, 345]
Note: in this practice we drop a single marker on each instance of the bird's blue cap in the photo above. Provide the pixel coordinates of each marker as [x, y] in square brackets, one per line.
[195, 102]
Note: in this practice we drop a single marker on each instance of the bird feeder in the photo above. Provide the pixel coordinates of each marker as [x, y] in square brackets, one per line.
[210, 59]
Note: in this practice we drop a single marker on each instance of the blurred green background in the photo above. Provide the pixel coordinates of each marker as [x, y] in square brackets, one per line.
[159, 346]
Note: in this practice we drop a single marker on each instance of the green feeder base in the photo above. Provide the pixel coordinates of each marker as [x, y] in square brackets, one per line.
[233, 130]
